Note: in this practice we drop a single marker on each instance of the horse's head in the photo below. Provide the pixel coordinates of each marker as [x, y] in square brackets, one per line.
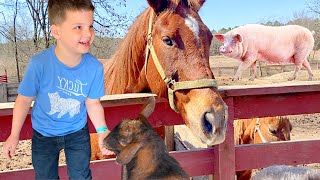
[175, 65]
[268, 129]
[178, 60]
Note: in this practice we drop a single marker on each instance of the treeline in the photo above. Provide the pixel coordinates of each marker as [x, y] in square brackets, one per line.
[313, 24]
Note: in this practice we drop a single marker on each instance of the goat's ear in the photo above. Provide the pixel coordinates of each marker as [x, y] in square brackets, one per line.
[126, 155]
[148, 107]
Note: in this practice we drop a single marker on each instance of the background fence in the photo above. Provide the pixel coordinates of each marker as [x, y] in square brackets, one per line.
[263, 69]
[8, 92]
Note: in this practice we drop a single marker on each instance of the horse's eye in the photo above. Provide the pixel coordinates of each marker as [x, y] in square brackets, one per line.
[273, 131]
[168, 41]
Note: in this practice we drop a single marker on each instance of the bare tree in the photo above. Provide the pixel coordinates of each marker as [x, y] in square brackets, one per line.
[15, 39]
[109, 22]
[314, 6]
[39, 14]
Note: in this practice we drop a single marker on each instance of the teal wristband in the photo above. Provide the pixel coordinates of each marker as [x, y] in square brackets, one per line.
[102, 129]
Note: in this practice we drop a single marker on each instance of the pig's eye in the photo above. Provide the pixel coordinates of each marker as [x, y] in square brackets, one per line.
[168, 41]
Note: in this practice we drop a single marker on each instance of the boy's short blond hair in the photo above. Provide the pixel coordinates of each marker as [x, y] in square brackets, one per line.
[57, 8]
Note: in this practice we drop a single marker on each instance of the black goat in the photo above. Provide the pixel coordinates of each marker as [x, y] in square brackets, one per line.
[141, 150]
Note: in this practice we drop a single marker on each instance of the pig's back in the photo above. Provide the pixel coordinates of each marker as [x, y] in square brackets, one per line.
[289, 33]
[276, 43]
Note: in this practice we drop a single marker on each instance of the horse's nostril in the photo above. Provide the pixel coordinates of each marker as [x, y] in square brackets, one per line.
[208, 127]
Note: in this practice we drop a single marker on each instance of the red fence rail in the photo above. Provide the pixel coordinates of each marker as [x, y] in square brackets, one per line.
[3, 79]
[222, 160]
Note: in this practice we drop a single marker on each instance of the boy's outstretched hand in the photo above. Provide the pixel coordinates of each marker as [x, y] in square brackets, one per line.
[104, 150]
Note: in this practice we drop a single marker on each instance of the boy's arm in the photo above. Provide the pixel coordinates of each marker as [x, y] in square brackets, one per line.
[96, 115]
[20, 111]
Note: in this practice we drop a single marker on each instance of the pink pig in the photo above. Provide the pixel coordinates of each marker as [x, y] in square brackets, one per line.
[275, 45]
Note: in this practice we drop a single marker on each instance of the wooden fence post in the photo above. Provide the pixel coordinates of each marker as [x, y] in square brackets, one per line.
[3, 92]
[224, 165]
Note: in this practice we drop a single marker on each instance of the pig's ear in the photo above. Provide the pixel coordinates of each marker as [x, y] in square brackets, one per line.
[237, 38]
[220, 37]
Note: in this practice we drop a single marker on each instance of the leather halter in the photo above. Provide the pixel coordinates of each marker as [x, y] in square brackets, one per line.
[257, 129]
[172, 85]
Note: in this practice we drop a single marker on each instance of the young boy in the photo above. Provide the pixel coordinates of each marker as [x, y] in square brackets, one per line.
[65, 82]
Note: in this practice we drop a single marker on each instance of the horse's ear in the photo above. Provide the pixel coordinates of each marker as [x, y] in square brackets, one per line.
[196, 4]
[158, 5]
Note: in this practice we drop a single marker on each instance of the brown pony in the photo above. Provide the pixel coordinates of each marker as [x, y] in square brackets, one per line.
[167, 50]
[260, 130]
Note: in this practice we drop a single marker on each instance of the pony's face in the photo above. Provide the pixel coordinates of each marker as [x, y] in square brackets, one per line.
[181, 42]
[274, 129]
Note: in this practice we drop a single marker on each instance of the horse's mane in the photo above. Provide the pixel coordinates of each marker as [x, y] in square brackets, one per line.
[237, 131]
[124, 67]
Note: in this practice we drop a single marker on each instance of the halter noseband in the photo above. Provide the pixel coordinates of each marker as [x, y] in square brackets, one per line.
[172, 85]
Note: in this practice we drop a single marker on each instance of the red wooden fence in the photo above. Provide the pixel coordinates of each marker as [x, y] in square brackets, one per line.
[3, 79]
[222, 160]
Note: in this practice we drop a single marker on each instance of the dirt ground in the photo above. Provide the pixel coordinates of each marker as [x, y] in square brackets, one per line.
[304, 126]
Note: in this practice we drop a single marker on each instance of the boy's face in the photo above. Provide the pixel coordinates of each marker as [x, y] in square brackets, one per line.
[75, 34]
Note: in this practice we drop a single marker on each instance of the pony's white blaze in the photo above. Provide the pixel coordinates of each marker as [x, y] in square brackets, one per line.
[193, 25]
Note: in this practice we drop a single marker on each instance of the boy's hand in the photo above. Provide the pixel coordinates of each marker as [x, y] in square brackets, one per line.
[9, 147]
[104, 150]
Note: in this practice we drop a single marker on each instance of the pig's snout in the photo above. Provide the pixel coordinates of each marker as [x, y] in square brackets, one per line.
[224, 50]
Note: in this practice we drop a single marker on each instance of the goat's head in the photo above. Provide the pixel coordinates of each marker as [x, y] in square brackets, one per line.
[128, 136]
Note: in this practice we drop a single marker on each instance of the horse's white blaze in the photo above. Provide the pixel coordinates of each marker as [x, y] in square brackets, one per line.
[193, 25]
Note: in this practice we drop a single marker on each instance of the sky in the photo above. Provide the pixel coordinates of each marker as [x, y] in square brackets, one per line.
[217, 14]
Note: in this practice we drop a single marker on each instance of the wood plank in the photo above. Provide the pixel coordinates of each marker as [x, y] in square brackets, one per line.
[201, 161]
[107, 100]
[114, 114]
[3, 93]
[276, 105]
[195, 163]
[277, 88]
[13, 85]
[255, 156]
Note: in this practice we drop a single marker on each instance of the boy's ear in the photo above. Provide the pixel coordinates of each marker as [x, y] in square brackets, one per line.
[55, 31]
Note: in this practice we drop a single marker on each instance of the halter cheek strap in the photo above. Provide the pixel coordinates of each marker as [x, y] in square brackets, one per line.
[257, 129]
[172, 85]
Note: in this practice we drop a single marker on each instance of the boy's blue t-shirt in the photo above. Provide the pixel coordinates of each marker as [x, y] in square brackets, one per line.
[60, 92]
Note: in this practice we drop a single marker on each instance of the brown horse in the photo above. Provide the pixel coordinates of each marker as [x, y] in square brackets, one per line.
[166, 52]
[260, 130]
